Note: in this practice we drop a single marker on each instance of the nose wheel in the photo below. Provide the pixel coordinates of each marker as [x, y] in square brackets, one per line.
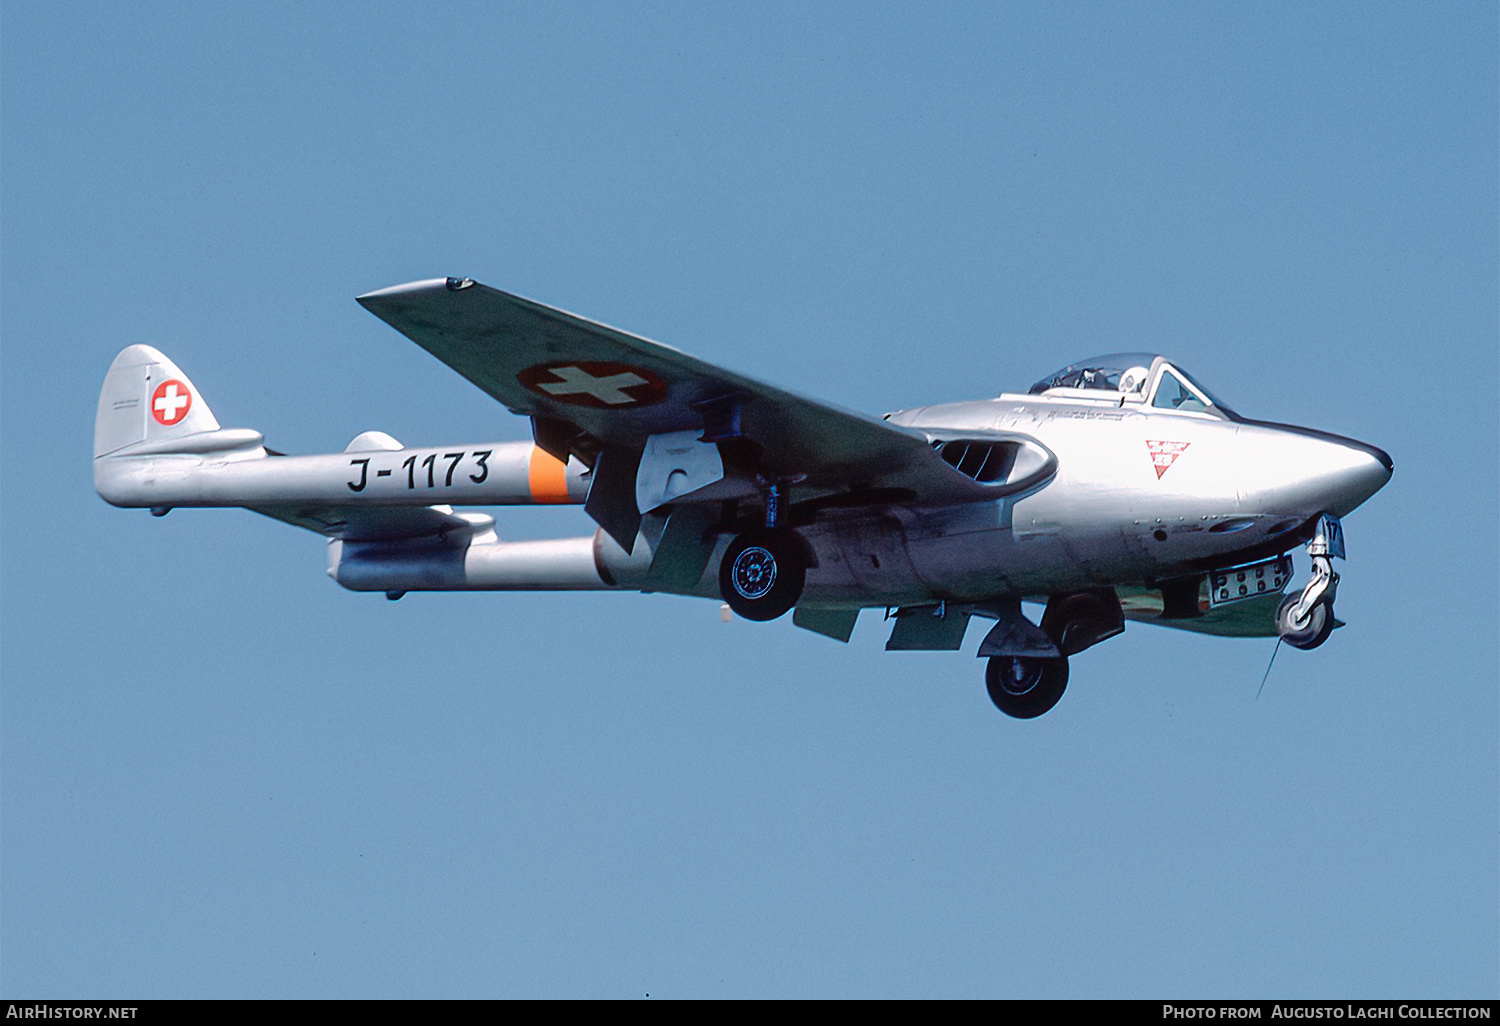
[762, 574]
[1304, 630]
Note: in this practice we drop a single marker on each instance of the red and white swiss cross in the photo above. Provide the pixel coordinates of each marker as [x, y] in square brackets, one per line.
[171, 402]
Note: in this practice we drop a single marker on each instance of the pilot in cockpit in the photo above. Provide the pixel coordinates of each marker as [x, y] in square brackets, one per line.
[1134, 380]
[1128, 376]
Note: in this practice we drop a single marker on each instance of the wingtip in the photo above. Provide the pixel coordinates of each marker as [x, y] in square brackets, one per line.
[414, 288]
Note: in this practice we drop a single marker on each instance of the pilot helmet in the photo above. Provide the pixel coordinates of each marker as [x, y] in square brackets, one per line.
[1133, 380]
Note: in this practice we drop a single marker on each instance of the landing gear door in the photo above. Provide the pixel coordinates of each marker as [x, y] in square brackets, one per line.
[1328, 540]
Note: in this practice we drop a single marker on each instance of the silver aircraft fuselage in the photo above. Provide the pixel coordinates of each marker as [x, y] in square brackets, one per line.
[1118, 488]
[1138, 495]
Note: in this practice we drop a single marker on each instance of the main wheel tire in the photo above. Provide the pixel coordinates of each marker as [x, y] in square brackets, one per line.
[762, 574]
[1308, 633]
[1025, 688]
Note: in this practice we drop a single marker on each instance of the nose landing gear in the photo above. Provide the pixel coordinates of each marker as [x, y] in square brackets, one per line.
[1306, 619]
[1308, 630]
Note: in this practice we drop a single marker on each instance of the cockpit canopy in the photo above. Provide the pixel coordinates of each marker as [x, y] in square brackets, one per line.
[1145, 378]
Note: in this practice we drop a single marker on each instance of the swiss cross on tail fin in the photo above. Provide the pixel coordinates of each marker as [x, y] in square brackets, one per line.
[170, 402]
[1164, 454]
[146, 398]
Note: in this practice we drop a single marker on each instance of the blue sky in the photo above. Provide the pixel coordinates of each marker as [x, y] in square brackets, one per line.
[222, 776]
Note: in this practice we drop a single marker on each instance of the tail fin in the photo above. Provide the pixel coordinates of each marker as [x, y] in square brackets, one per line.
[146, 398]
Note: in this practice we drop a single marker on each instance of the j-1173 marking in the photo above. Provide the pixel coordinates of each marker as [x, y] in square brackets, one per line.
[480, 457]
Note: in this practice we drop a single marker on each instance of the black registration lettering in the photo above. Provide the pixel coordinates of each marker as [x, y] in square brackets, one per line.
[484, 470]
[364, 471]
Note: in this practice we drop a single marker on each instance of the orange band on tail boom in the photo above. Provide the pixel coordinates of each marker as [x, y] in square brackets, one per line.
[547, 476]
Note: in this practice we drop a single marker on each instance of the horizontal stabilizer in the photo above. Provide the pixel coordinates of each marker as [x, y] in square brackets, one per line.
[199, 443]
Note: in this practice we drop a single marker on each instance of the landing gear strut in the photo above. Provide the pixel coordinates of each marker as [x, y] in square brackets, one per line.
[762, 574]
[1306, 619]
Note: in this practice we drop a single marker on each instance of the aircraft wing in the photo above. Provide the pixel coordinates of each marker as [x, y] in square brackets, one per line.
[590, 388]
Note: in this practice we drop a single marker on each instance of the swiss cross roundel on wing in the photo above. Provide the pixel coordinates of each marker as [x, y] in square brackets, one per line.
[604, 385]
[171, 402]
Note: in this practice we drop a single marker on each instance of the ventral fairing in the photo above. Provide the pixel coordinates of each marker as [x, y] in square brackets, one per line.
[1118, 488]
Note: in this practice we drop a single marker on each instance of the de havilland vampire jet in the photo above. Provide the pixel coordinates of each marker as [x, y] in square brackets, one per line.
[1115, 489]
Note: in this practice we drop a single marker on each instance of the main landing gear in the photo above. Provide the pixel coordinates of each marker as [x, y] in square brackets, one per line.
[762, 573]
[1305, 620]
[1025, 686]
[764, 569]
[1028, 665]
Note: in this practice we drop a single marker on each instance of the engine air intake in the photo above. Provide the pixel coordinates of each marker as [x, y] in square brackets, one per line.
[987, 462]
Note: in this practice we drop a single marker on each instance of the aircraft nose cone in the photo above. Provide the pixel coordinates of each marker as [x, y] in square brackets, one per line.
[1299, 468]
[1356, 472]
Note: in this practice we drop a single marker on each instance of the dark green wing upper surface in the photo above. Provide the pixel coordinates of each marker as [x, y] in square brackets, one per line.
[619, 389]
